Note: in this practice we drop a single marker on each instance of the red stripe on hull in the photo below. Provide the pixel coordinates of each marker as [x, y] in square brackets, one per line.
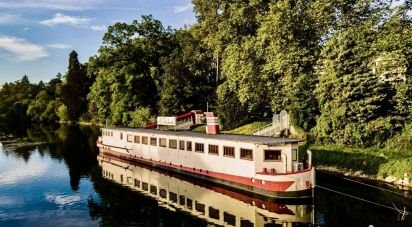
[272, 186]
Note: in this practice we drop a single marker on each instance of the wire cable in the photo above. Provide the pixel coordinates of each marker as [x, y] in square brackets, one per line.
[404, 212]
[373, 186]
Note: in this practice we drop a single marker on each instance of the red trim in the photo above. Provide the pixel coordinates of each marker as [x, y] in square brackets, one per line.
[279, 186]
[186, 115]
[270, 206]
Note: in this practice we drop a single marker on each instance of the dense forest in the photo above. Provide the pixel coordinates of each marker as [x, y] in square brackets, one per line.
[342, 69]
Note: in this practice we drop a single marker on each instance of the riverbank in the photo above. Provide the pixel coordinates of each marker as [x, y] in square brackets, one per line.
[384, 165]
[391, 165]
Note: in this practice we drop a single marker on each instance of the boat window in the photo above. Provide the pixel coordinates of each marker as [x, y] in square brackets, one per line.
[153, 141]
[129, 138]
[229, 151]
[145, 186]
[214, 213]
[153, 189]
[163, 193]
[173, 144]
[121, 136]
[200, 207]
[144, 140]
[189, 146]
[246, 223]
[246, 154]
[182, 200]
[294, 154]
[189, 204]
[136, 139]
[273, 155]
[121, 178]
[173, 197]
[162, 142]
[111, 133]
[199, 147]
[213, 149]
[229, 219]
[182, 145]
[136, 183]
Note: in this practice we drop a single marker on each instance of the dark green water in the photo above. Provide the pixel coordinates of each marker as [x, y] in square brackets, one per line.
[58, 179]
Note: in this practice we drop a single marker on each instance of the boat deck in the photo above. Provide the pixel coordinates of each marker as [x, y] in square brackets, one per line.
[232, 137]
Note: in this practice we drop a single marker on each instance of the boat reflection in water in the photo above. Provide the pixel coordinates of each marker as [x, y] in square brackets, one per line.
[214, 204]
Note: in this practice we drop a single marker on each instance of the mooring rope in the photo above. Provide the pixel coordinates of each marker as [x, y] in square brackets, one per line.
[373, 186]
[402, 212]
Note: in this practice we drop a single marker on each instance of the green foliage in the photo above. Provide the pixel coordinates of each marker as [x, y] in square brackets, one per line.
[141, 117]
[125, 79]
[402, 140]
[75, 88]
[63, 113]
[356, 106]
[342, 69]
[249, 129]
[186, 81]
[376, 162]
[143, 65]
[200, 128]
[14, 100]
[231, 112]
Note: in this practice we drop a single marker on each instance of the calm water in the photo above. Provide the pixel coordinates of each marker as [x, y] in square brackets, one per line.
[58, 179]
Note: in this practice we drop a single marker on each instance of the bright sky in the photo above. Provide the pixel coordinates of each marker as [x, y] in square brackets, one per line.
[36, 36]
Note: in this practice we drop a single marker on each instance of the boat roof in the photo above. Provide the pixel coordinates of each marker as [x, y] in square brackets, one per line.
[266, 140]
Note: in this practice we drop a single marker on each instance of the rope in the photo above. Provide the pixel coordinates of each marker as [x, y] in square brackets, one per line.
[404, 212]
[373, 186]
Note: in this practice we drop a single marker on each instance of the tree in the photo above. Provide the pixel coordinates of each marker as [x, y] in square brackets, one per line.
[127, 69]
[75, 88]
[394, 48]
[350, 96]
[188, 81]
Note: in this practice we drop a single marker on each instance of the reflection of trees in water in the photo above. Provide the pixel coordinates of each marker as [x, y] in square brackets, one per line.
[120, 206]
[75, 145]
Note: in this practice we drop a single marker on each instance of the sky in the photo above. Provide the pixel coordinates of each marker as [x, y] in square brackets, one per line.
[36, 36]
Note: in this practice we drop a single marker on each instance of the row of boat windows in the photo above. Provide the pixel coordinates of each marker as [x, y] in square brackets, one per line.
[246, 154]
[214, 213]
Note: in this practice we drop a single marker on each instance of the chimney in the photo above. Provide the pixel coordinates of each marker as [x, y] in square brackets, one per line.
[212, 123]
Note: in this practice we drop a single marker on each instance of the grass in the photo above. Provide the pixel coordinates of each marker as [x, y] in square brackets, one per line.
[199, 128]
[249, 128]
[376, 162]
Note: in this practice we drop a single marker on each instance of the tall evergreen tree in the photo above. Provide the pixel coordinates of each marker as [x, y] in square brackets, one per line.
[351, 98]
[75, 88]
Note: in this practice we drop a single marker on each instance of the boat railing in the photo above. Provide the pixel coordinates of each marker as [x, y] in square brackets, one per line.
[274, 172]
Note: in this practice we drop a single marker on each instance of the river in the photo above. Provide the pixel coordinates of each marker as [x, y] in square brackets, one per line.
[55, 177]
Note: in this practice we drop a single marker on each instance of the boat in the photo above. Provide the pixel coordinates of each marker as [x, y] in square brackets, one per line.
[260, 165]
[215, 204]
